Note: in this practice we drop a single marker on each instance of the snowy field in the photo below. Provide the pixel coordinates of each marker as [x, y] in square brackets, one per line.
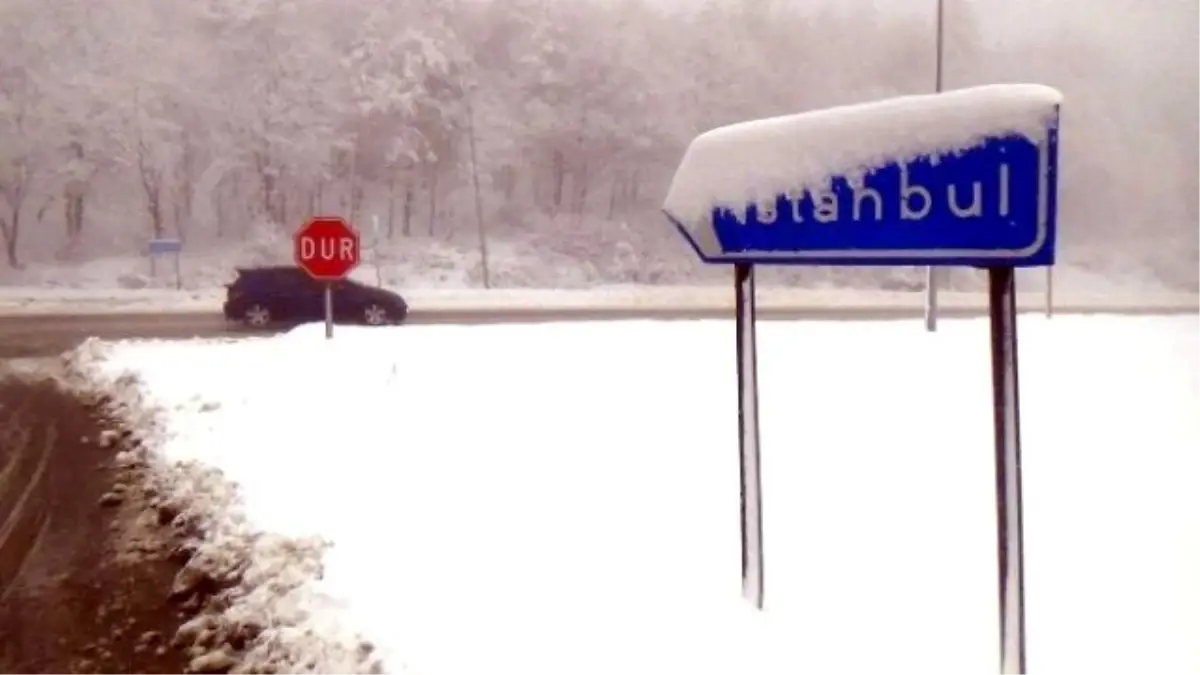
[561, 499]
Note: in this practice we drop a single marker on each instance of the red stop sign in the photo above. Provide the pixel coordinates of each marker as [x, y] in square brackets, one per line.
[326, 247]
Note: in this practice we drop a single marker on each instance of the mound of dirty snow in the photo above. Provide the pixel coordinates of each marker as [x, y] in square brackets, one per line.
[260, 614]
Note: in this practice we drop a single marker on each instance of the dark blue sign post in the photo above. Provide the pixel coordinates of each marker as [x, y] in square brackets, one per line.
[990, 202]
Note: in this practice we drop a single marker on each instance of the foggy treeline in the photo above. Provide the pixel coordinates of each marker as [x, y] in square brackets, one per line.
[122, 120]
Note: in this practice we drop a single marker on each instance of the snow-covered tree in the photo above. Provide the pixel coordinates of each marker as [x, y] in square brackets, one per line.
[554, 123]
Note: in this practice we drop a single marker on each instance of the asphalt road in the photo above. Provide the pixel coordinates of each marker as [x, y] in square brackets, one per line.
[39, 335]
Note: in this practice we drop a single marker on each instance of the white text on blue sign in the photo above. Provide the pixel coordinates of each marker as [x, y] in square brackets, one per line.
[993, 204]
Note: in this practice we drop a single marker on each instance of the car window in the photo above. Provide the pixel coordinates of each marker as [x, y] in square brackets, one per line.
[250, 277]
[278, 279]
[298, 280]
[268, 279]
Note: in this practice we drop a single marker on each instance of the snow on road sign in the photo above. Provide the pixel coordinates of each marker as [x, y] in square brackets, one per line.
[966, 177]
[327, 247]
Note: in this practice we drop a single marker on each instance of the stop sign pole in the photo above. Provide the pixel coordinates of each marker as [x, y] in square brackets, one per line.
[327, 248]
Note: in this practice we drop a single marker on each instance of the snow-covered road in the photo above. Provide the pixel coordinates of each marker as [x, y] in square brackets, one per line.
[562, 498]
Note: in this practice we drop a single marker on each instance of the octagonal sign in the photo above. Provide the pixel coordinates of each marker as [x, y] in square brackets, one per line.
[326, 247]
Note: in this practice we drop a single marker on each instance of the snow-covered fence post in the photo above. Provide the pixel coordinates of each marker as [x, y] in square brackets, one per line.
[882, 184]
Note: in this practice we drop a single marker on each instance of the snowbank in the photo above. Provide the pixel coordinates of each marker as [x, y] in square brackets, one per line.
[260, 618]
[739, 164]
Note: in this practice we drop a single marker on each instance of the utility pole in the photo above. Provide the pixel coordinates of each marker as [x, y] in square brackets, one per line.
[931, 289]
[1049, 291]
[468, 92]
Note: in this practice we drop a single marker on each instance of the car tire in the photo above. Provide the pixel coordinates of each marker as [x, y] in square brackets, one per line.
[257, 316]
[376, 315]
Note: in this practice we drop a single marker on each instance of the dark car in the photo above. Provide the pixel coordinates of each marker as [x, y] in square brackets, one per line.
[261, 296]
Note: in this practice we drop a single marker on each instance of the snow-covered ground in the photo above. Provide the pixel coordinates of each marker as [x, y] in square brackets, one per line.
[562, 498]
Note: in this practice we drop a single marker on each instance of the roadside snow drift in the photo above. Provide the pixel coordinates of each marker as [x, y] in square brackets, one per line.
[561, 499]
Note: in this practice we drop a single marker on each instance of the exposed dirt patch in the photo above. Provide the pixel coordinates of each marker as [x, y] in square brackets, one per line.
[86, 569]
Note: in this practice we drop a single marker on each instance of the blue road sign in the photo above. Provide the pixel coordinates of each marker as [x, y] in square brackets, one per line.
[993, 203]
[165, 246]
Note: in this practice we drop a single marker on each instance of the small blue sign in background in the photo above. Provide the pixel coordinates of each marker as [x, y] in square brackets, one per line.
[165, 246]
[993, 204]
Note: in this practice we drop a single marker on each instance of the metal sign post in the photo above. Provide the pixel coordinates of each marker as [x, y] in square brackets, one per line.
[751, 474]
[171, 247]
[329, 310]
[1002, 311]
[913, 210]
